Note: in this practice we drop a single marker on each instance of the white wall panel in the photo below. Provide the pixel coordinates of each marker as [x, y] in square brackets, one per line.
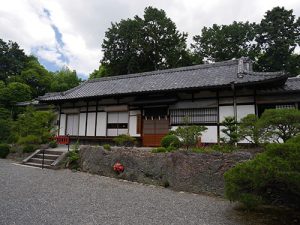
[133, 123]
[225, 111]
[101, 124]
[123, 117]
[62, 128]
[72, 124]
[91, 122]
[210, 135]
[112, 132]
[244, 110]
[82, 122]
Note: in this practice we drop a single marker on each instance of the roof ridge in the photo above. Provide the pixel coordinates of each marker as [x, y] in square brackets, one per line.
[258, 73]
[179, 69]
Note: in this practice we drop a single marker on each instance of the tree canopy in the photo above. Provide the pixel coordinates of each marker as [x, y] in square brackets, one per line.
[278, 35]
[144, 44]
[225, 42]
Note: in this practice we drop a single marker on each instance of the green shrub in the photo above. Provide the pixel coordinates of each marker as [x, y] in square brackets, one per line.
[272, 177]
[53, 144]
[202, 150]
[4, 150]
[225, 148]
[72, 159]
[295, 140]
[107, 147]
[125, 140]
[279, 124]
[29, 148]
[230, 130]
[30, 140]
[170, 140]
[189, 134]
[159, 150]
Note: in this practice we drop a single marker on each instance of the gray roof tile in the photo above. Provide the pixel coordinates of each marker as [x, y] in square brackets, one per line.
[192, 77]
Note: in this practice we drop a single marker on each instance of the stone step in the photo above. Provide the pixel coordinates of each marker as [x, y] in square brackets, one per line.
[37, 165]
[39, 161]
[46, 156]
[53, 152]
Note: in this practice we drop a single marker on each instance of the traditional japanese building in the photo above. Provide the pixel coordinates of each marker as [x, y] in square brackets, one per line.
[148, 105]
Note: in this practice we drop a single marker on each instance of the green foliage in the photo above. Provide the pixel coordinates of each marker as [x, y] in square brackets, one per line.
[277, 37]
[144, 44]
[53, 144]
[5, 125]
[226, 42]
[32, 122]
[295, 140]
[159, 150]
[101, 72]
[107, 147]
[12, 58]
[73, 157]
[202, 149]
[279, 124]
[272, 177]
[29, 139]
[64, 79]
[4, 150]
[225, 148]
[125, 140]
[249, 130]
[14, 92]
[29, 148]
[170, 140]
[230, 130]
[189, 134]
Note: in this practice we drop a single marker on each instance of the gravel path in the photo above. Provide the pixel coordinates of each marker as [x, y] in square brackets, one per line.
[30, 196]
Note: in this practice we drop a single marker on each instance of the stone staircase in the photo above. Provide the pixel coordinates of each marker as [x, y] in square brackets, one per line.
[51, 158]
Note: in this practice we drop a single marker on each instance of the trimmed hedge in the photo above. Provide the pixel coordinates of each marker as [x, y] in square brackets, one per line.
[170, 140]
[272, 177]
[4, 150]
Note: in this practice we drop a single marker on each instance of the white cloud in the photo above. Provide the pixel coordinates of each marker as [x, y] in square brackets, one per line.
[82, 24]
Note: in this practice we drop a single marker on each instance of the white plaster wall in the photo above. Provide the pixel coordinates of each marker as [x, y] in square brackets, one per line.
[210, 135]
[91, 122]
[62, 127]
[244, 110]
[82, 121]
[101, 124]
[225, 111]
[133, 123]
[72, 124]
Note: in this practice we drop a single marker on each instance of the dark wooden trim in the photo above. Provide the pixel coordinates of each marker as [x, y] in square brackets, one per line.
[255, 104]
[86, 117]
[246, 103]
[218, 119]
[59, 118]
[96, 118]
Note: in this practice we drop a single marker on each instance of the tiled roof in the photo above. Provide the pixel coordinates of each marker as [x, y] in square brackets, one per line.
[200, 76]
[291, 85]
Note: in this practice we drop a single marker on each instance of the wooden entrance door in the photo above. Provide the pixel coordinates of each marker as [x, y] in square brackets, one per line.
[154, 129]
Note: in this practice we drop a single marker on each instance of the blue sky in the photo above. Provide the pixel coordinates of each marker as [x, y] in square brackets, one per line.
[70, 32]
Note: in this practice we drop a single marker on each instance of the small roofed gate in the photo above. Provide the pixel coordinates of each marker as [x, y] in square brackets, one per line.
[155, 126]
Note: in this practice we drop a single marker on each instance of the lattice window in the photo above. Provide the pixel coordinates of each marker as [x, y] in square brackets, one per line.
[285, 106]
[195, 116]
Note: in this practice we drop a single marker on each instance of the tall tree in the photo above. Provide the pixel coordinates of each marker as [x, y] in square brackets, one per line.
[278, 36]
[64, 79]
[144, 44]
[12, 59]
[225, 42]
[35, 76]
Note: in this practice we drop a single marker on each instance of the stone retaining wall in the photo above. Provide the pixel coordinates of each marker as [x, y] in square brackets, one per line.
[192, 172]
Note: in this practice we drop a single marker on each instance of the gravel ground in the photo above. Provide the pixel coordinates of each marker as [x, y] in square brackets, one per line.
[35, 196]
